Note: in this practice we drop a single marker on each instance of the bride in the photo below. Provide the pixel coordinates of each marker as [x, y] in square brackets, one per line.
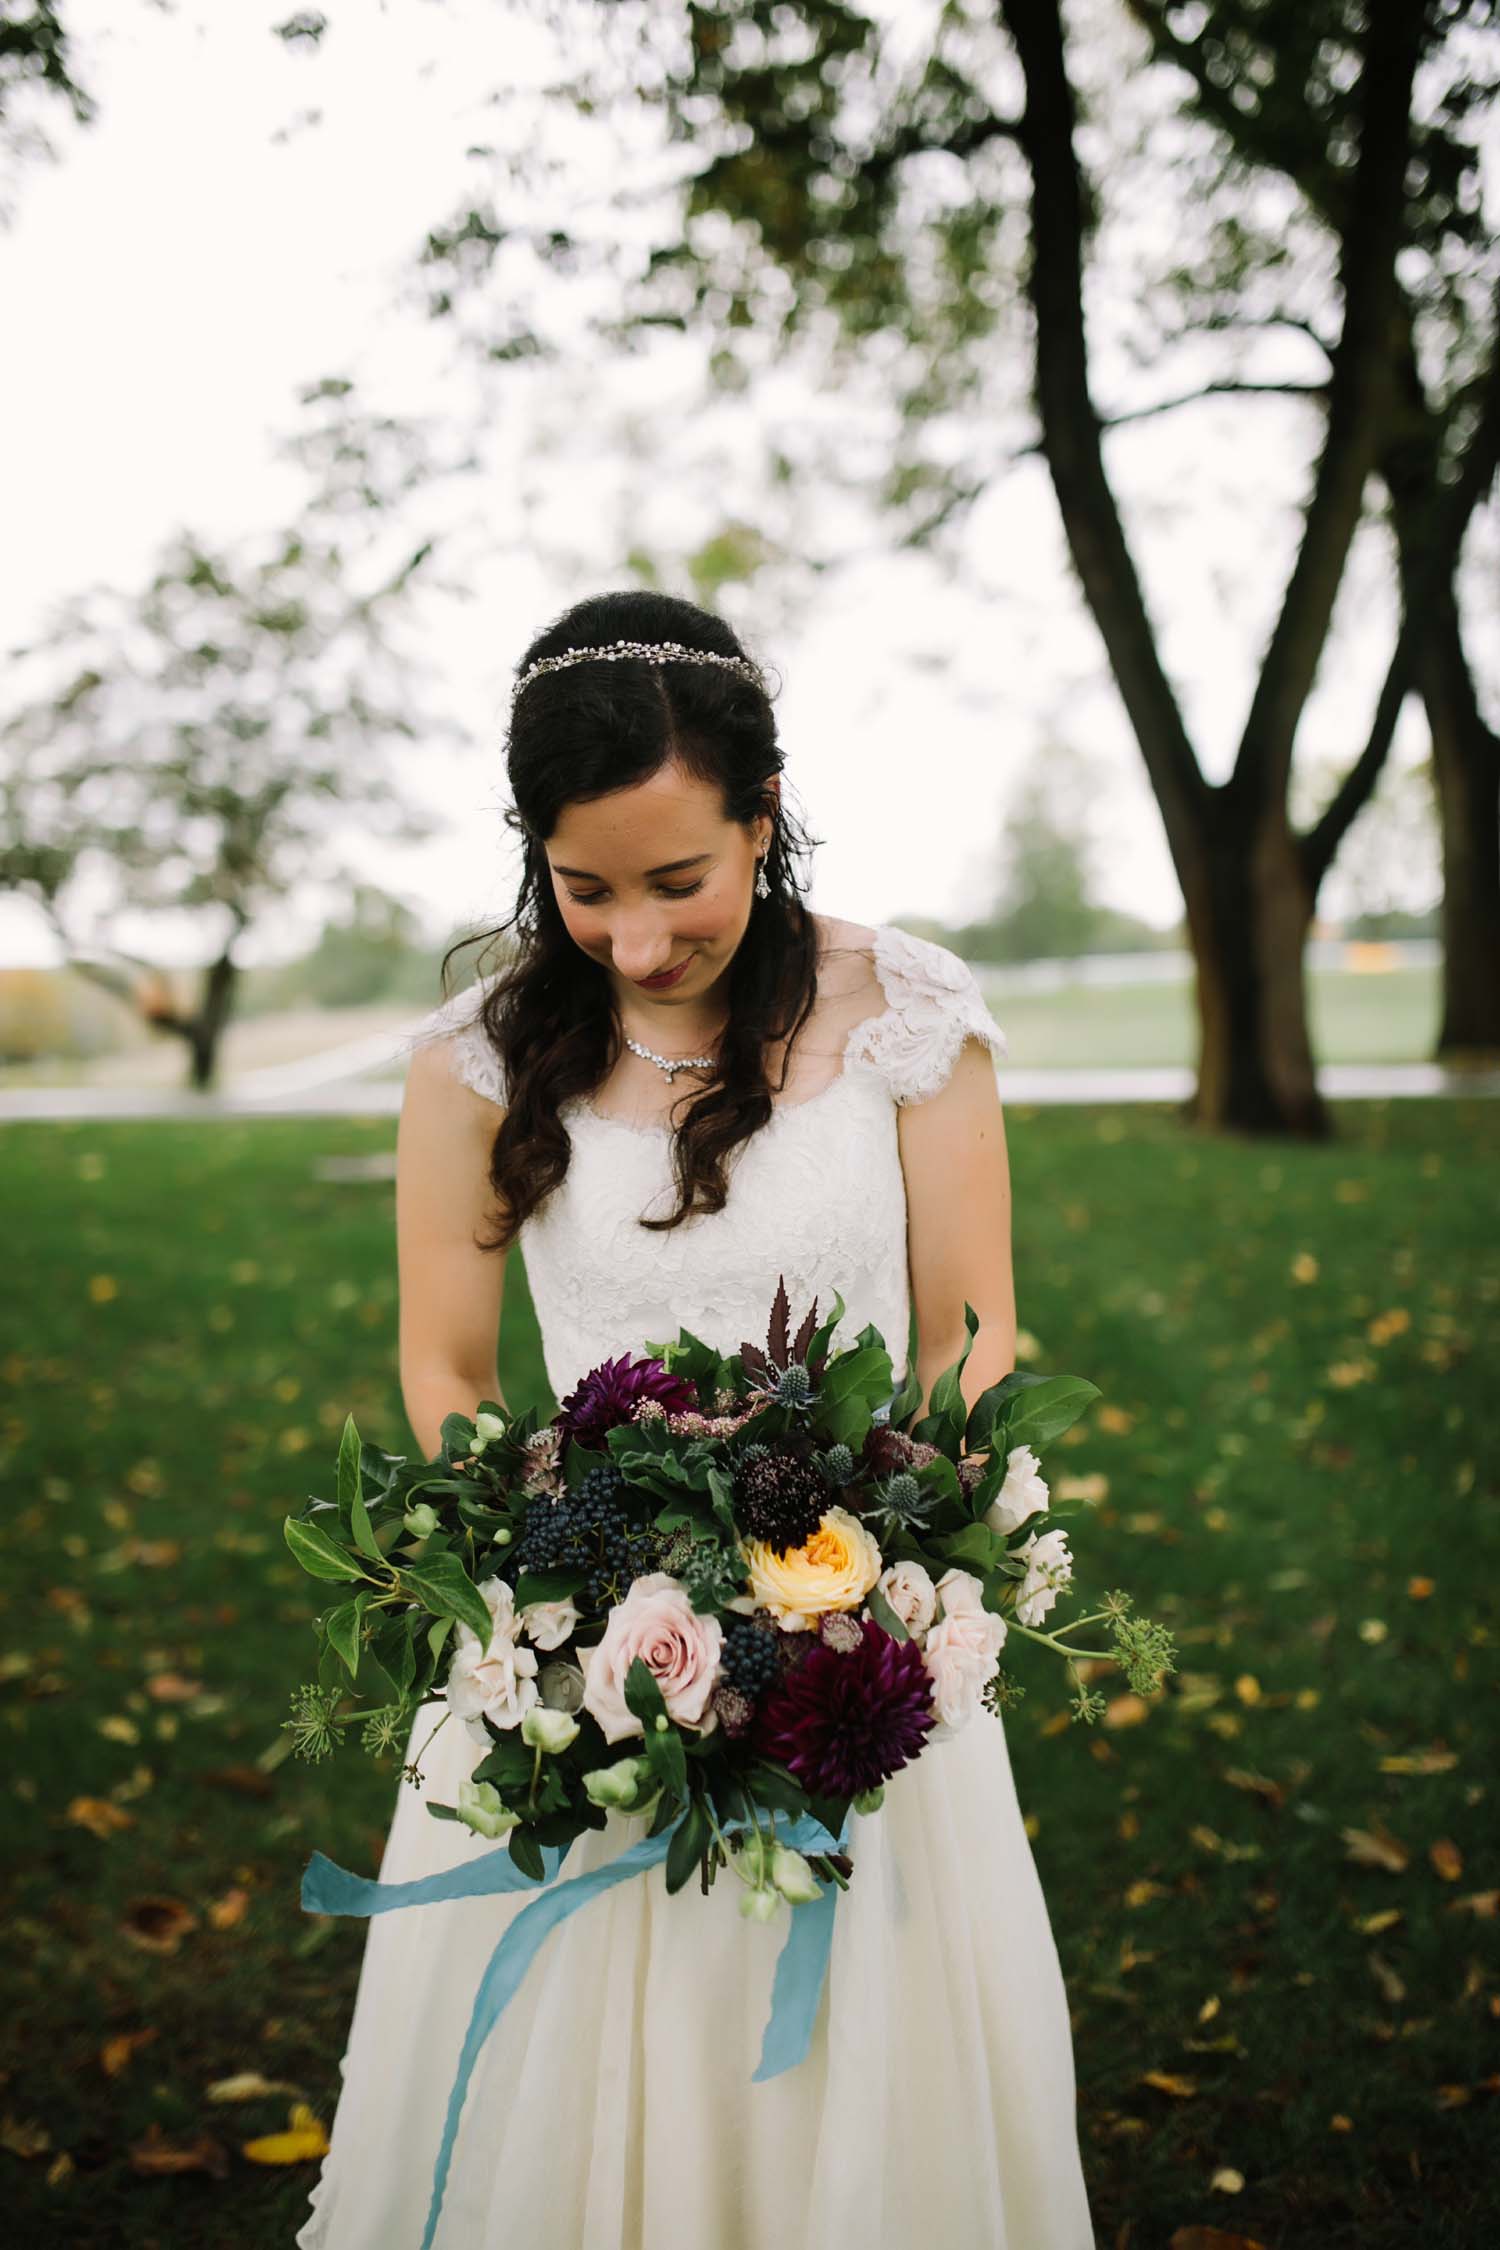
[681, 1086]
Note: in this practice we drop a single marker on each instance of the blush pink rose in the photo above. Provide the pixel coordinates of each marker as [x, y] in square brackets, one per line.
[658, 1622]
[960, 1651]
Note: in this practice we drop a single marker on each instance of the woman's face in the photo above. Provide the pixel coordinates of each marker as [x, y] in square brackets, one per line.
[629, 905]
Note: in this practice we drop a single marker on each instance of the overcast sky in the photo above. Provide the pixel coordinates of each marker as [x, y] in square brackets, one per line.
[204, 248]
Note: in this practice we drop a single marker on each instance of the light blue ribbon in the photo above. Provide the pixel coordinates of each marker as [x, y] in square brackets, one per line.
[801, 1967]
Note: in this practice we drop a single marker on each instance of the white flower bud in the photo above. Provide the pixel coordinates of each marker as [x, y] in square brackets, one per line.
[760, 1905]
[793, 1877]
[551, 1731]
[479, 1807]
[420, 1520]
[616, 1785]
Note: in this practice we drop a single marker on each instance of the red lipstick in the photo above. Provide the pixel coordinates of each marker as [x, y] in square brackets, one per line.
[660, 983]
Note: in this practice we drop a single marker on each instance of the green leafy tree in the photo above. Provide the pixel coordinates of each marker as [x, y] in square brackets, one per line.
[227, 735]
[898, 210]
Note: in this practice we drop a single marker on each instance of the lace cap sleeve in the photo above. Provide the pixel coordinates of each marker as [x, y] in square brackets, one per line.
[933, 1005]
[456, 1023]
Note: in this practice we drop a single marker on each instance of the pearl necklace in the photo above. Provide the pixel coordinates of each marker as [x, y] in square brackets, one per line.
[666, 1062]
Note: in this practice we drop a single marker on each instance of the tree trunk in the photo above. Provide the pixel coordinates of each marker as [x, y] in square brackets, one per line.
[1466, 765]
[1249, 911]
[206, 1028]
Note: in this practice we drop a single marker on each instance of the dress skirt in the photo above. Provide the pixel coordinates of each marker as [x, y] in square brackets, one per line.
[612, 2106]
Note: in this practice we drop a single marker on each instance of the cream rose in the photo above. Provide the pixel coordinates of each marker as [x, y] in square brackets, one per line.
[549, 1624]
[658, 1622]
[1023, 1494]
[910, 1591]
[834, 1569]
[960, 1651]
[497, 1681]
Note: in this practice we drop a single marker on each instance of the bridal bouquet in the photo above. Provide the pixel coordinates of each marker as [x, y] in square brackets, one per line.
[710, 1590]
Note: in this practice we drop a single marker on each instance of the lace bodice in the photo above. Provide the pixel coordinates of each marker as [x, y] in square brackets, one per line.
[817, 1195]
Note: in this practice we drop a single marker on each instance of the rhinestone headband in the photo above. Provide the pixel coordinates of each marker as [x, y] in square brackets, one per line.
[653, 651]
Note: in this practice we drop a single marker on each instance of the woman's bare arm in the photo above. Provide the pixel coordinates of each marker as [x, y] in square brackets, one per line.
[451, 1293]
[957, 1174]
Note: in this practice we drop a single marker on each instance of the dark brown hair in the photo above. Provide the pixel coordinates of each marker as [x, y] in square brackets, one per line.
[582, 732]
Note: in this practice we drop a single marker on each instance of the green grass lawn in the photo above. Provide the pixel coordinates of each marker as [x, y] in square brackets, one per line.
[1388, 1016]
[1274, 1889]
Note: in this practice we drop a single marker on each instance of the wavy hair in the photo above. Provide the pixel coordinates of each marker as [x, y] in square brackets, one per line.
[581, 732]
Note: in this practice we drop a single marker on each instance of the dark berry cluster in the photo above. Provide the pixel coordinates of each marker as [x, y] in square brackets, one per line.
[779, 1498]
[751, 1657]
[588, 1530]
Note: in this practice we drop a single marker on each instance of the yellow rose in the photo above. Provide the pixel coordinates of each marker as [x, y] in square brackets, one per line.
[834, 1569]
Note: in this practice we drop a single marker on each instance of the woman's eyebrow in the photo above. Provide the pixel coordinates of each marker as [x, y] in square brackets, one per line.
[672, 867]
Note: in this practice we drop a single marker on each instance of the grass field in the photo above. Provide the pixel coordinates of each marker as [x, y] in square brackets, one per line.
[1389, 1017]
[1274, 1889]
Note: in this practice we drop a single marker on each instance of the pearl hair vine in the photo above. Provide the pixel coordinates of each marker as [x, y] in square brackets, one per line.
[652, 651]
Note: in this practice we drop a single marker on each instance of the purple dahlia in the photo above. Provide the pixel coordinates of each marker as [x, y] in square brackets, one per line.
[610, 1393]
[844, 1722]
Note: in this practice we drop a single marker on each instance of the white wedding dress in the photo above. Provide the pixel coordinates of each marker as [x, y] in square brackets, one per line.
[612, 2107]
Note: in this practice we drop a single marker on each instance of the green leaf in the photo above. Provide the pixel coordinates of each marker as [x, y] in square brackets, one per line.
[1045, 1407]
[776, 1786]
[547, 1585]
[342, 1629]
[689, 1842]
[865, 1371]
[527, 1853]
[979, 1432]
[319, 1555]
[348, 1474]
[664, 1813]
[976, 1543]
[577, 1463]
[442, 1585]
[906, 1400]
[643, 1698]
[885, 1616]
[667, 1759]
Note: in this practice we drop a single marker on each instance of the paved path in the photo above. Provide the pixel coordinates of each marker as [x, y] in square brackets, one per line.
[307, 1090]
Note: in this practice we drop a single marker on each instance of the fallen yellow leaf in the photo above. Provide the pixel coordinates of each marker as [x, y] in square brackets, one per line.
[303, 2140]
[99, 1816]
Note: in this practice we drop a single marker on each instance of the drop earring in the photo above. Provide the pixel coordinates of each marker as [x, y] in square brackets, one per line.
[762, 887]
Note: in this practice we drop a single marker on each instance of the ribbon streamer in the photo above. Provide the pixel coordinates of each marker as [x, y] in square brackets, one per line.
[801, 1967]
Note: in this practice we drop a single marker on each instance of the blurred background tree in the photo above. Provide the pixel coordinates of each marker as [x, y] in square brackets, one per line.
[898, 207]
[224, 738]
[1274, 79]
[36, 80]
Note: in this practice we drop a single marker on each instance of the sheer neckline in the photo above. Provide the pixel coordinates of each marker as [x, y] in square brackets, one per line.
[582, 1105]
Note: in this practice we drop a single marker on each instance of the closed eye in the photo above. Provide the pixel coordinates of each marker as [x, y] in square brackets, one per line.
[592, 898]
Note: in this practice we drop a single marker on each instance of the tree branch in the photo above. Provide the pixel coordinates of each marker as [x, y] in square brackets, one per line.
[1229, 387]
[1359, 392]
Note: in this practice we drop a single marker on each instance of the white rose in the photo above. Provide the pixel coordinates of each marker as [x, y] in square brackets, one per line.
[1049, 1567]
[961, 1594]
[910, 1591]
[549, 1624]
[498, 1681]
[1023, 1493]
